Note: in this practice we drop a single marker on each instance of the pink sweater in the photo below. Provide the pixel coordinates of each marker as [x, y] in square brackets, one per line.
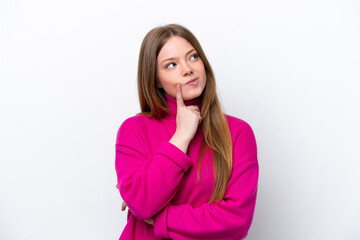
[156, 179]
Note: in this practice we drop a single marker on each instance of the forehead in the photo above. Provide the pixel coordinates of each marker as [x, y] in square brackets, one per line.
[175, 46]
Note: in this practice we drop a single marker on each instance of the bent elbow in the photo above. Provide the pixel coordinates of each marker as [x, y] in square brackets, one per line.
[141, 210]
[239, 227]
[141, 215]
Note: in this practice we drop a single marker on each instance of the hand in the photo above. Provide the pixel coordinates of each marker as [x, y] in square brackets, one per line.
[188, 118]
[124, 204]
[149, 221]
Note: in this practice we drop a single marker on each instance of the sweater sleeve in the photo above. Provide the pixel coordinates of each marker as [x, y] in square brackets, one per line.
[232, 216]
[147, 184]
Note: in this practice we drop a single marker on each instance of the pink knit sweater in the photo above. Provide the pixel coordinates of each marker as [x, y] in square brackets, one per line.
[157, 180]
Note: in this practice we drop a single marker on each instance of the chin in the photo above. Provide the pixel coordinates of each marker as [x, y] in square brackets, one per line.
[192, 95]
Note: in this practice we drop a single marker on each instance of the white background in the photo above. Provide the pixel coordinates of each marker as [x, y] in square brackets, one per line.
[68, 80]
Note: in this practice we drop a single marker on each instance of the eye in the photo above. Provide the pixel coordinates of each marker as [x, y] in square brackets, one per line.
[195, 56]
[168, 65]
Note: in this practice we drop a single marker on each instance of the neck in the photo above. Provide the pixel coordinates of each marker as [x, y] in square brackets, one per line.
[172, 103]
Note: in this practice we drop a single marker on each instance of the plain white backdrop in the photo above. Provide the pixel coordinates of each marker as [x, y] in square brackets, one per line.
[291, 69]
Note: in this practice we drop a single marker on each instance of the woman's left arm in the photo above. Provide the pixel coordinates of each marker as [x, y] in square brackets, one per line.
[228, 219]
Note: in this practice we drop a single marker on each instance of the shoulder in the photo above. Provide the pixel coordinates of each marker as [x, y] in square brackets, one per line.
[132, 125]
[242, 133]
[237, 125]
[129, 123]
[137, 121]
[244, 142]
[132, 121]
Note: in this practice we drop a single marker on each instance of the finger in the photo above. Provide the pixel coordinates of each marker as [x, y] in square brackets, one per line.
[149, 221]
[179, 97]
[193, 107]
[123, 206]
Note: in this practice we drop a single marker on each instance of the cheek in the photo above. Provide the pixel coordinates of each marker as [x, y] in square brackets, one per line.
[162, 77]
[204, 77]
[168, 83]
[169, 78]
[201, 67]
[202, 70]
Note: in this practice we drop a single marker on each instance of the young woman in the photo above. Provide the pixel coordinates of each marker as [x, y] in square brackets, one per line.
[185, 170]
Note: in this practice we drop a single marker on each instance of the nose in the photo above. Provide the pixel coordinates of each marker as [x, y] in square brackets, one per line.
[186, 69]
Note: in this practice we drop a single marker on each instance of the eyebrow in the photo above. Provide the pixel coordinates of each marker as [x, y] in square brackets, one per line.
[174, 58]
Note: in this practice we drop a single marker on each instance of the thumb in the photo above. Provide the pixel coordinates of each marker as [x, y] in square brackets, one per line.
[179, 98]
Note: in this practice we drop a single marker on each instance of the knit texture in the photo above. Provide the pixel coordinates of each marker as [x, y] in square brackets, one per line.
[158, 180]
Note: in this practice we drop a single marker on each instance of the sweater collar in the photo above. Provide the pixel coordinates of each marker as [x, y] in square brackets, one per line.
[173, 104]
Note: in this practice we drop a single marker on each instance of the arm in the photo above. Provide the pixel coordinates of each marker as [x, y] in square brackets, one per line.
[228, 219]
[147, 184]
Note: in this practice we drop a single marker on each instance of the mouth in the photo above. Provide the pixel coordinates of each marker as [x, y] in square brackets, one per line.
[192, 80]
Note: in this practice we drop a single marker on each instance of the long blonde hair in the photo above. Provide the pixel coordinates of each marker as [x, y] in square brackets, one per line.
[214, 123]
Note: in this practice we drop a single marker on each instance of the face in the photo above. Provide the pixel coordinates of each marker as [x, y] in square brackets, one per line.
[178, 62]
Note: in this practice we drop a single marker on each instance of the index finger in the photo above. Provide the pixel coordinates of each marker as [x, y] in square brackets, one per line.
[179, 98]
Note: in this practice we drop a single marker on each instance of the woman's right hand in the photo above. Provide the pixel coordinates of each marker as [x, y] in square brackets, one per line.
[188, 118]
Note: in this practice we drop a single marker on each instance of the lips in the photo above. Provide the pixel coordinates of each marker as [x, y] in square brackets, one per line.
[191, 80]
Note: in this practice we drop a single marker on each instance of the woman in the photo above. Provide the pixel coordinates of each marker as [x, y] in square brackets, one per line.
[184, 168]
